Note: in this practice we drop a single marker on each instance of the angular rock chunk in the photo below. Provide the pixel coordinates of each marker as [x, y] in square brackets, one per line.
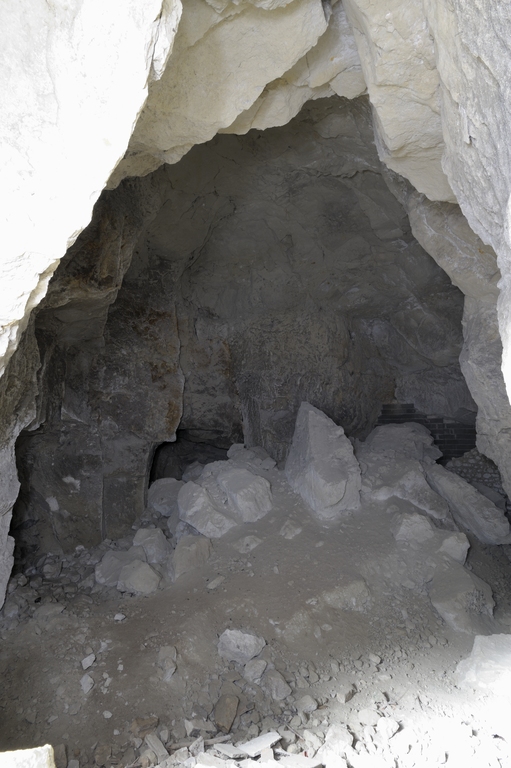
[489, 665]
[350, 595]
[190, 553]
[249, 496]
[166, 661]
[470, 508]
[197, 509]
[463, 600]
[321, 466]
[107, 571]
[273, 683]
[255, 746]
[254, 670]
[138, 577]
[235, 645]
[409, 440]
[412, 528]
[154, 543]
[162, 496]
[225, 712]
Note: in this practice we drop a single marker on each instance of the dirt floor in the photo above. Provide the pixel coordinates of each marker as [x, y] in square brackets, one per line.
[347, 621]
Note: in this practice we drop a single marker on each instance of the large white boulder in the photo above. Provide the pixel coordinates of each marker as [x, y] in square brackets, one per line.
[249, 495]
[321, 466]
[409, 440]
[463, 600]
[154, 543]
[488, 668]
[235, 645]
[198, 510]
[162, 496]
[470, 509]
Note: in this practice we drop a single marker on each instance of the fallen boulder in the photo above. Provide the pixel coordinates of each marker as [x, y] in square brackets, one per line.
[321, 465]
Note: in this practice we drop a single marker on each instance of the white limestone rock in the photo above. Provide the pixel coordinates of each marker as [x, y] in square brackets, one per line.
[409, 440]
[470, 508]
[197, 509]
[237, 55]
[412, 528]
[36, 757]
[154, 543]
[463, 600]
[235, 645]
[162, 496]
[274, 685]
[488, 668]
[108, 570]
[397, 54]
[321, 466]
[167, 661]
[190, 552]
[249, 496]
[254, 670]
[55, 131]
[138, 578]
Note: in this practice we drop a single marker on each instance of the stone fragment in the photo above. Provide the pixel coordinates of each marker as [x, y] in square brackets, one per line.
[215, 583]
[162, 496]
[154, 743]
[345, 692]
[197, 746]
[138, 578]
[102, 754]
[254, 670]
[321, 466]
[247, 544]
[141, 726]
[249, 495]
[387, 727]
[88, 661]
[225, 712]
[59, 754]
[229, 751]
[154, 543]
[166, 661]
[37, 757]
[412, 527]
[409, 441]
[306, 704]
[211, 761]
[48, 611]
[235, 645]
[488, 668]
[197, 509]
[461, 598]
[273, 683]
[470, 508]
[289, 530]
[455, 545]
[191, 552]
[255, 746]
[350, 595]
[300, 761]
[107, 571]
[87, 683]
[368, 716]
[193, 471]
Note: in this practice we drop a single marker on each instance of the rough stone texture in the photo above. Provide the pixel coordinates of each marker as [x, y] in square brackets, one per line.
[138, 577]
[37, 757]
[162, 495]
[235, 645]
[227, 291]
[472, 266]
[470, 509]
[488, 668]
[107, 571]
[154, 543]
[237, 51]
[397, 54]
[321, 466]
[249, 496]
[273, 683]
[462, 599]
[196, 507]
[56, 131]
[190, 552]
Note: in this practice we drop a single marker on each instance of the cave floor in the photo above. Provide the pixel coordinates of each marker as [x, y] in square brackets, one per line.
[340, 618]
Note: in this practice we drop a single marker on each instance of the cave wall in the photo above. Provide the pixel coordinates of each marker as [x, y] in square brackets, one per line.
[216, 295]
[437, 77]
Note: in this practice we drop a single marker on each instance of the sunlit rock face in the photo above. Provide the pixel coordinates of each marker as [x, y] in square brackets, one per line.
[266, 270]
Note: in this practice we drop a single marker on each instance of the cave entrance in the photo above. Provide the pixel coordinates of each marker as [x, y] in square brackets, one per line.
[185, 458]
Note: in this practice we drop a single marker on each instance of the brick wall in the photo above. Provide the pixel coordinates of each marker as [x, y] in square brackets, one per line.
[454, 438]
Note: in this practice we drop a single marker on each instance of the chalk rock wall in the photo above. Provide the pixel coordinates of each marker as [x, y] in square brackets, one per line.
[265, 270]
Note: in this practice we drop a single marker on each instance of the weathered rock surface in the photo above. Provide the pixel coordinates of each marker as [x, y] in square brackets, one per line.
[488, 668]
[235, 645]
[190, 552]
[462, 599]
[196, 508]
[154, 543]
[249, 496]
[162, 496]
[321, 466]
[470, 509]
[139, 578]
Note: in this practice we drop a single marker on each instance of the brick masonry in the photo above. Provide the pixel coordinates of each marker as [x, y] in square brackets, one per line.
[454, 438]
